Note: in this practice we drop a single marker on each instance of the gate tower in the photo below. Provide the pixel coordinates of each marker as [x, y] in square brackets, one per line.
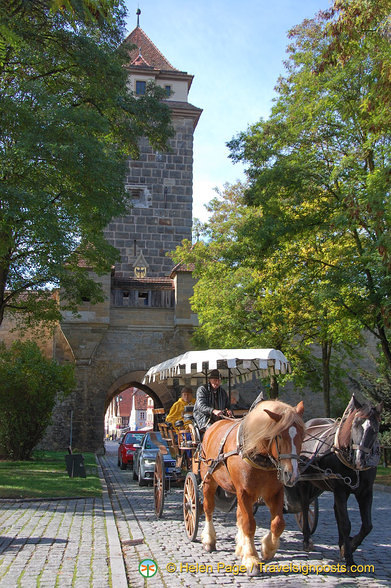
[146, 317]
[159, 184]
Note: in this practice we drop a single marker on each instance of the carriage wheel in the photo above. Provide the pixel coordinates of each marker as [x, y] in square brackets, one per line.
[313, 515]
[159, 484]
[191, 506]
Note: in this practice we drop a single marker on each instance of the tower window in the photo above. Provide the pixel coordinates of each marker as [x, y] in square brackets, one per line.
[136, 193]
[168, 90]
[140, 87]
[139, 196]
[143, 298]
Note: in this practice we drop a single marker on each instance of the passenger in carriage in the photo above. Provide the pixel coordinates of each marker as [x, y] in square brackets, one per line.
[178, 408]
[211, 402]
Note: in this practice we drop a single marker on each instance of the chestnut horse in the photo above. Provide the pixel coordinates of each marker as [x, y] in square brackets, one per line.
[252, 458]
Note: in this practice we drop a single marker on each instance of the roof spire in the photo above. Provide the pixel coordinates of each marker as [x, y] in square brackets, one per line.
[138, 12]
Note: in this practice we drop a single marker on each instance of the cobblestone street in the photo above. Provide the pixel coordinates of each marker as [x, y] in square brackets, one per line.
[144, 537]
[99, 543]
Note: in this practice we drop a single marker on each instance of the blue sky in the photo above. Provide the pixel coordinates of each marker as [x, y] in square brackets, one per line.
[235, 50]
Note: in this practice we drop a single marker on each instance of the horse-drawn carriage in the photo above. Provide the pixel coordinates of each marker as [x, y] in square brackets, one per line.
[268, 458]
[279, 461]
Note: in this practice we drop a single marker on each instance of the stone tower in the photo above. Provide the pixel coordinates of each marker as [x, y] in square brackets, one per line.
[159, 184]
[146, 315]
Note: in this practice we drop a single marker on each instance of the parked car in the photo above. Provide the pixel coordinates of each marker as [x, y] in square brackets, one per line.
[145, 457]
[128, 444]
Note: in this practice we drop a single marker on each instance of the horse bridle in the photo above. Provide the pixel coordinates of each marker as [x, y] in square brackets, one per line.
[280, 457]
[346, 455]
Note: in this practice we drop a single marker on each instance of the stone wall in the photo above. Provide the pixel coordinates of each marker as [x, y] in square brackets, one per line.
[160, 205]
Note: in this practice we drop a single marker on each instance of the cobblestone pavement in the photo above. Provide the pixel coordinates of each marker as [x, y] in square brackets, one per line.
[99, 543]
[164, 541]
[60, 543]
[44, 543]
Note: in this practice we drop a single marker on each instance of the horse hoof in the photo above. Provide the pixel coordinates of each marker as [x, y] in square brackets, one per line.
[209, 547]
[349, 569]
[308, 545]
[254, 571]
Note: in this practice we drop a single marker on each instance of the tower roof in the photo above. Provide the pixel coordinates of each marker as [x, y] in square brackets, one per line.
[146, 53]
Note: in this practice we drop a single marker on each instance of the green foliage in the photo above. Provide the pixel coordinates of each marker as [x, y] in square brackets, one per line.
[29, 386]
[319, 173]
[300, 257]
[378, 389]
[245, 299]
[68, 122]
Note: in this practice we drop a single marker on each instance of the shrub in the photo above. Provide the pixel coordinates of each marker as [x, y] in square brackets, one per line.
[29, 386]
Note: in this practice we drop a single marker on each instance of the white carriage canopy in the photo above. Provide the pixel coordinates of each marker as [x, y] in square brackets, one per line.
[234, 364]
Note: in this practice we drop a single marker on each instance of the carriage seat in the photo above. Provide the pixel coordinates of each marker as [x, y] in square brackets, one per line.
[160, 414]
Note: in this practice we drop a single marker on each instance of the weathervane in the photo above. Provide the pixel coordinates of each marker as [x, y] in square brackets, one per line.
[138, 12]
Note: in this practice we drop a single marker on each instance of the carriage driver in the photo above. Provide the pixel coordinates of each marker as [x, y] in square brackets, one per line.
[211, 402]
[178, 408]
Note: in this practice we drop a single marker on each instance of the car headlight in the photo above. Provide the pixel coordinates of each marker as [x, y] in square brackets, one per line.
[149, 461]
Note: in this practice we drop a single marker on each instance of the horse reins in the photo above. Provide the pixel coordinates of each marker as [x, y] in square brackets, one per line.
[343, 456]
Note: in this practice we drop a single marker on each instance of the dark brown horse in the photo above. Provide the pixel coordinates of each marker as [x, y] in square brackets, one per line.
[341, 457]
[252, 458]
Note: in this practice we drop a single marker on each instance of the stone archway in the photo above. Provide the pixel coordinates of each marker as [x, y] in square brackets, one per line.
[162, 395]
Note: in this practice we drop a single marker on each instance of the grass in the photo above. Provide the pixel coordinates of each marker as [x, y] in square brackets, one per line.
[45, 476]
[383, 475]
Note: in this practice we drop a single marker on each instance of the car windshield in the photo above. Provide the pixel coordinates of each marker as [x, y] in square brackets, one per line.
[153, 441]
[133, 438]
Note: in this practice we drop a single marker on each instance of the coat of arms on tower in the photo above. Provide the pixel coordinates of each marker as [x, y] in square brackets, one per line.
[140, 266]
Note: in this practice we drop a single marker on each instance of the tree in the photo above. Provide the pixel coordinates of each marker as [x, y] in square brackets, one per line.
[319, 167]
[245, 300]
[29, 385]
[377, 387]
[68, 125]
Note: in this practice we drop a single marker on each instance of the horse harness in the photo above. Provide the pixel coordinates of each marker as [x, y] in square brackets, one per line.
[322, 440]
[259, 461]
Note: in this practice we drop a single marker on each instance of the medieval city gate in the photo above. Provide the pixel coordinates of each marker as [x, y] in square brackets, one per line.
[146, 317]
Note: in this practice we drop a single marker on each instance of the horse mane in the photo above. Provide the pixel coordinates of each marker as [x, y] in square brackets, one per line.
[259, 429]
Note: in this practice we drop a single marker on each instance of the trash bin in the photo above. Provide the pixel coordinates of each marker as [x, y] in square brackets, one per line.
[75, 465]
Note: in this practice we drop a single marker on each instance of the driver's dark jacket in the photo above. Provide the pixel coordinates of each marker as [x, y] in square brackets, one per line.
[206, 401]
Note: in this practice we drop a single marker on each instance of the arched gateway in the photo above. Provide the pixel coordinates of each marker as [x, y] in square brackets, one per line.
[146, 316]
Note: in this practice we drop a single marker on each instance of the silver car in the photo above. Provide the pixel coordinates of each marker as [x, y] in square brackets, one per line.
[145, 457]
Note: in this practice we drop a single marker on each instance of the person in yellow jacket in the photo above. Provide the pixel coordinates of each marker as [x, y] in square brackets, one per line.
[178, 408]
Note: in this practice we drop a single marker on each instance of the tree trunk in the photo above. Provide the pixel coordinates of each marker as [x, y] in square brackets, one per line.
[273, 388]
[326, 354]
[385, 345]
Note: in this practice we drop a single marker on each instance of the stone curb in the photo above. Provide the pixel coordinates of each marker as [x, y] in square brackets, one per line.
[117, 566]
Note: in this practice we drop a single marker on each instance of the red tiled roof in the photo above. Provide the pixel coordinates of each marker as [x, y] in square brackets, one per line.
[159, 283]
[182, 267]
[149, 53]
[140, 61]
